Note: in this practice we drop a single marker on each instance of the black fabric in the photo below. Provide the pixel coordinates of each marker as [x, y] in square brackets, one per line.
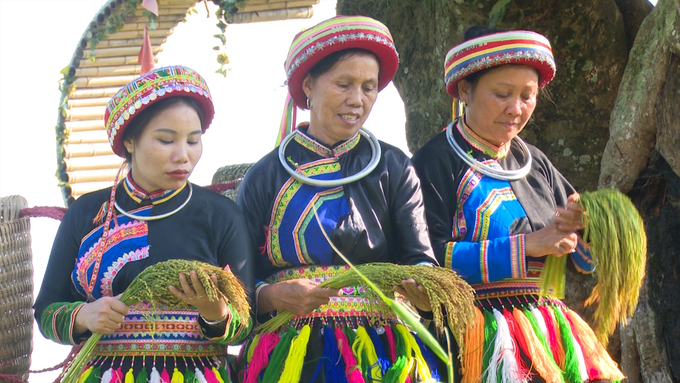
[210, 228]
[441, 170]
[386, 223]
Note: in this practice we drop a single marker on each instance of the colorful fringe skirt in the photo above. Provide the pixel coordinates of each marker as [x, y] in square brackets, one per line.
[355, 338]
[527, 338]
[171, 348]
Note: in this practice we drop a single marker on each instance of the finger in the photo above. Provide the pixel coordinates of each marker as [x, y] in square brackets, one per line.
[178, 294]
[574, 197]
[198, 286]
[119, 307]
[325, 292]
[186, 287]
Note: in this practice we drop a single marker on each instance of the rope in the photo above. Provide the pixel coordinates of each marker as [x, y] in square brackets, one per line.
[9, 377]
[53, 212]
[72, 354]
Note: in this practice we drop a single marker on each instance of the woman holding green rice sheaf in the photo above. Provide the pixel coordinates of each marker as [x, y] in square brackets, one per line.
[153, 215]
[496, 207]
[367, 199]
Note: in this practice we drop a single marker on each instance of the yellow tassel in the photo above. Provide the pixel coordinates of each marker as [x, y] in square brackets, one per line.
[84, 375]
[593, 349]
[542, 361]
[362, 344]
[424, 374]
[177, 377]
[129, 376]
[296, 356]
[217, 375]
[252, 346]
[474, 349]
[405, 334]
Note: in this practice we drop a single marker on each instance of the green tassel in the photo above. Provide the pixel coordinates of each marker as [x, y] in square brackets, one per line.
[224, 374]
[143, 376]
[278, 357]
[95, 376]
[571, 368]
[189, 377]
[490, 329]
[537, 331]
[393, 373]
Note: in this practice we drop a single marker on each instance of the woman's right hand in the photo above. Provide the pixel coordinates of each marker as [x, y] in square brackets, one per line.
[104, 316]
[299, 296]
[550, 240]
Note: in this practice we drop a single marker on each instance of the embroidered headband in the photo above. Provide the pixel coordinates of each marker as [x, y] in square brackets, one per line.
[333, 35]
[159, 84]
[512, 47]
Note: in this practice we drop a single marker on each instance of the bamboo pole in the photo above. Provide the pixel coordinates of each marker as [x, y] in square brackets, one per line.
[81, 103]
[170, 3]
[82, 188]
[276, 6]
[88, 137]
[109, 43]
[111, 61]
[141, 20]
[92, 93]
[121, 51]
[102, 175]
[91, 82]
[84, 126]
[87, 150]
[109, 71]
[93, 163]
[281, 14]
[140, 26]
[88, 113]
[165, 10]
[139, 34]
[260, 2]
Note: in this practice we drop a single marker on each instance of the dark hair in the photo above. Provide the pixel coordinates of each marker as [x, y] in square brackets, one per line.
[137, 125]
[326, 63]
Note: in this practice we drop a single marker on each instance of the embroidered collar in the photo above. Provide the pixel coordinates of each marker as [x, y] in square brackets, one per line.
[481, 144]
[308, 142]
[156, 197]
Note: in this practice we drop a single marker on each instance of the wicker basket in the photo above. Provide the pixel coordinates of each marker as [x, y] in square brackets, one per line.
[16, 289]
[231, 173]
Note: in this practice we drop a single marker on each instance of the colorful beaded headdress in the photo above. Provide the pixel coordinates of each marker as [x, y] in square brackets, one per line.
[335, 34]
[143, 91]
[512, 47]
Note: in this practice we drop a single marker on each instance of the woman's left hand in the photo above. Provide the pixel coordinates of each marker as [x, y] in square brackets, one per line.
[197, 297]
[415, 293]
[570, 217]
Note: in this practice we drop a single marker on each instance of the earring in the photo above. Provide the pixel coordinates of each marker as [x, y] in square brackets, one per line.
[309, 104]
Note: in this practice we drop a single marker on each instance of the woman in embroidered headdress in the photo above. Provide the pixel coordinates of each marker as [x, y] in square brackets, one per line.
[496, 207]
[368, 200]
[154, 214]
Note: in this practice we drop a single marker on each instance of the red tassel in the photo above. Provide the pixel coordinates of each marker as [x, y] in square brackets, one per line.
[145, 57]
[151, 6]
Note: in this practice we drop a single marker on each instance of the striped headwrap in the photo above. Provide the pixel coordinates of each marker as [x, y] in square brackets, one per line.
[145, 90]
[488, 51]
[333, 35]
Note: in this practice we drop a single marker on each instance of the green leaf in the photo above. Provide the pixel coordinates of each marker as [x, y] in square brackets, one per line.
[222, 38]
[64, 70]
[497, 11]
[223, 59]
[194, 11]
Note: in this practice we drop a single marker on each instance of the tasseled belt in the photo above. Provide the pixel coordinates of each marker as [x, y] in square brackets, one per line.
[516, 336]
[362, 340]
[159, 345]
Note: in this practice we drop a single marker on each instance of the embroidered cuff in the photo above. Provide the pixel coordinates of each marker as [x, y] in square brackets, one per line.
[518, 262]
[448, 255]
[58, 321]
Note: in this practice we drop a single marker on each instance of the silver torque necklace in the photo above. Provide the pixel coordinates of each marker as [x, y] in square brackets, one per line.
[155, 217]
[372, 164]
[493, 172]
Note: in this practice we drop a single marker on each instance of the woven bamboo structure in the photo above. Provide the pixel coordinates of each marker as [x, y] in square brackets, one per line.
[16, 290]
[232, 175]
[85, 161]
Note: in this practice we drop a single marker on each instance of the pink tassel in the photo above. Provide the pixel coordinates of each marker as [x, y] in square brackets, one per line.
[392, 348]
[210, 375]
[260, 359]
[555, 346]
[117, 375]
[351, 369]
[165, 377]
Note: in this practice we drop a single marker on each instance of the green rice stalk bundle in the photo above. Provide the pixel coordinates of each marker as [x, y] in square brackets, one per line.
[553, 276]
[151, 285]
[618, 244]
[444, 287]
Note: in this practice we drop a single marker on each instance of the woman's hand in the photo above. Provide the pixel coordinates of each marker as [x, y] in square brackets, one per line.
[104, 316]
[299, 296]
[558, 238]
[197, 297]
[415, 293]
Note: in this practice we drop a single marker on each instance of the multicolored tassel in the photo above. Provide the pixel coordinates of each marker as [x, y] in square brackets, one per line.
[541, 359]
[505, 356]
[272, 372]
[554, 340]
[209, 375]
[155, 376]
[296, 357]
[252, 346]
[391, 345]
[108, 376]
[83, 377]
[383, 359]
[352, 371]
[224, 374]
[364, 346]
[490, 327]
[572, 372]
[217, 374]
[259, 357]
[117, 375]
[189, 376]
[199, 376]
[331, 361]
[287, 119]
